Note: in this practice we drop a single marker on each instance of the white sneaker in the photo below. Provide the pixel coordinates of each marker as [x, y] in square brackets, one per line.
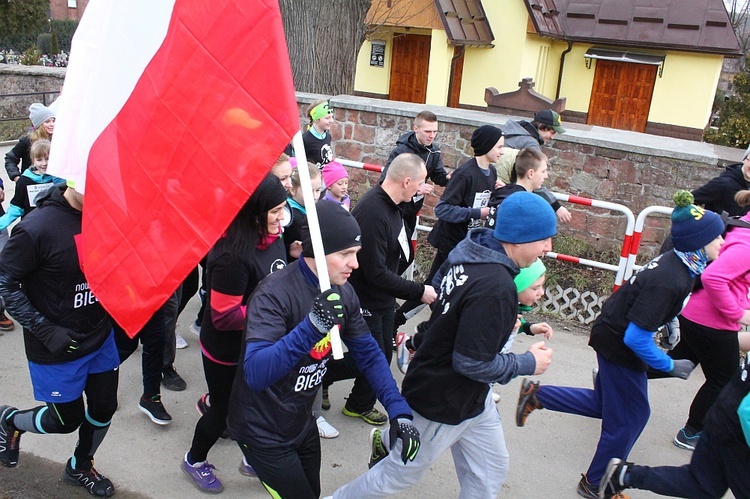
[180, 341]
[325, 430]
[195, 328]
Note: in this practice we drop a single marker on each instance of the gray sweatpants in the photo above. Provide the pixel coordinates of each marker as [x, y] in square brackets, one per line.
[479, 455]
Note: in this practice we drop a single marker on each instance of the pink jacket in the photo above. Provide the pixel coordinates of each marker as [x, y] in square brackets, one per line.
[726, 285]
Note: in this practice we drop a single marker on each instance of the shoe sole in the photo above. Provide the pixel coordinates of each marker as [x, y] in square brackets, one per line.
[197, 485]
[244, 472]
[160, 422]
[682, 445]
[367, 420]
[522, 400]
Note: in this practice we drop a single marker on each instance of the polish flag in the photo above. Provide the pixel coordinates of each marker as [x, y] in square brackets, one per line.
[172, 112]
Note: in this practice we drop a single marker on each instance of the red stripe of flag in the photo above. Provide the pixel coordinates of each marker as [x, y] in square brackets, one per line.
[206, 120]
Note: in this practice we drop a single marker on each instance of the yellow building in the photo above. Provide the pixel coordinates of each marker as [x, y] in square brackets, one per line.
[618, 64]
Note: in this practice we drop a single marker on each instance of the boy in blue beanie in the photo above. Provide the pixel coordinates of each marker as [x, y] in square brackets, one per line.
[622, 336]
[460, 356]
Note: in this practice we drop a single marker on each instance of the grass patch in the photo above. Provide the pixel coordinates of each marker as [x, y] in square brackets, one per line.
[13, 130]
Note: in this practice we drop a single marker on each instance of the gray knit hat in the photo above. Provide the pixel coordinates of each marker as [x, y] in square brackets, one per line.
[38, 114]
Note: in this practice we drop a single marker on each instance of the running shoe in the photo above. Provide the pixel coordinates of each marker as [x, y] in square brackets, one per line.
[202, 407]
[202, 475]
[687, 438]
[180, 342]
[403, 353]
[90, 479]
[246, 469]
[527, 401]
[585, 489]
[10, 439]
[171, 380]
[195, 328]
[325, 429]
[373, 416]
[154, 409]
[613, 481]
[378, 452]
[326, 404]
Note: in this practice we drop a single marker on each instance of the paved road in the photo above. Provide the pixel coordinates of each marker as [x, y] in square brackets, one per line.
[547, 456]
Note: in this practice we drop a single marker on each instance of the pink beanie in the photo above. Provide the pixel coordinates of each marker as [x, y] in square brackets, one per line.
[333, 172]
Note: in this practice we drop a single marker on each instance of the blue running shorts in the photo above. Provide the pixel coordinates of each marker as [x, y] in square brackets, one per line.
[60, 383]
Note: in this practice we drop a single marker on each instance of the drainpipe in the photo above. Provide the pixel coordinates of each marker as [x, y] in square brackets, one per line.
[562, 65]
[457, 53]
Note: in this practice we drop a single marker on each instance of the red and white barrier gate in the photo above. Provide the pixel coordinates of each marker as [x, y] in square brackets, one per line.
[635, 245]
[621, 268]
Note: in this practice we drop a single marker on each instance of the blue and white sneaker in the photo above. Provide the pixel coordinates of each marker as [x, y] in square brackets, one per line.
[202, 475]
[687, 438]
[246, 469]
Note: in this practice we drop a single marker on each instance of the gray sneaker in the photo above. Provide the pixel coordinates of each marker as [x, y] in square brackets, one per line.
[687, 438]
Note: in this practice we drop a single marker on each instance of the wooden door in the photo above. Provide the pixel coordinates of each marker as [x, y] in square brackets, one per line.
[621, 95]
[410, 60]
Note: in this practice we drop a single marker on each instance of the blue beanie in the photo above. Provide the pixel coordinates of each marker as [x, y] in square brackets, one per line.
[692, 226]
[524, 218]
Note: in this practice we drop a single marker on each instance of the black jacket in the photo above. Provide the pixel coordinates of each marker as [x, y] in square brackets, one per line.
[718, 194]
[20, 154]
[408, 143]
[376, 280]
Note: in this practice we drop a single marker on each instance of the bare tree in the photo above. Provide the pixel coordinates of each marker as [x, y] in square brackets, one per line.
[324, 39]
[739, 15]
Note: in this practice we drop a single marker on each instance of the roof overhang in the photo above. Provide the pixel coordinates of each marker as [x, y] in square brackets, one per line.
[465, 23]
[624, 56]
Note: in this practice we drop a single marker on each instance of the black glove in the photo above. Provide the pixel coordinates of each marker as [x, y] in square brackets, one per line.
[669, 334]
[682, 368]
[403, 428]
[58, 339]
[327, 311]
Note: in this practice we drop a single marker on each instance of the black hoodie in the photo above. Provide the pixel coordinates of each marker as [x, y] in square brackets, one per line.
[41, 279]
[718, 194]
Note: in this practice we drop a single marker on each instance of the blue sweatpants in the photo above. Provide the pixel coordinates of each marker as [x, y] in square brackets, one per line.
[619, 399]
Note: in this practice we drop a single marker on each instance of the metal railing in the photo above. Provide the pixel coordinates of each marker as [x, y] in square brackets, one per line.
[47, 97]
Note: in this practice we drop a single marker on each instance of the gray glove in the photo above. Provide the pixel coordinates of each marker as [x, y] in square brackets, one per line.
[58, 339]
[402, 428]
[327, 311]
[669, 334]
[682, 368]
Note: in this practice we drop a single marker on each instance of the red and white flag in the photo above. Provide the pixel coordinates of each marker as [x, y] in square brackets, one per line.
[172, 112]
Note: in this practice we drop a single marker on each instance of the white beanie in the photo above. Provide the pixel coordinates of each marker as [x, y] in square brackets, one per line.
[38, 114]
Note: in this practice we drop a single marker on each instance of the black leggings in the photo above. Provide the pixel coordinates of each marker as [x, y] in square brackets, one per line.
[288, 472]
[212, 424]
[153, 336]
[718, 353]
[91, 419]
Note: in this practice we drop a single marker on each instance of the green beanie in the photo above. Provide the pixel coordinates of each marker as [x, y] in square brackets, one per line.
[528, 275]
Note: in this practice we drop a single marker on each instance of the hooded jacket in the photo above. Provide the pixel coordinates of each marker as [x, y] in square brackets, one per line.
[521, 134]
[723, 299]
[718, 194]
[472, 318]
[408, 143]
[41, 280]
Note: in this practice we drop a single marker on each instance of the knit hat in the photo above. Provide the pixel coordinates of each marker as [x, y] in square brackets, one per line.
[692, 226]
[551, 119]
[528, 275]
[484, 139]
[747, 153]
[524, 218]
[38, 114]
[333, 172]
[269, 194]
[338, 228]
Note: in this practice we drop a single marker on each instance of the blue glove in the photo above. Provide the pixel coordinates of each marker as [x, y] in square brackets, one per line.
[402, 428]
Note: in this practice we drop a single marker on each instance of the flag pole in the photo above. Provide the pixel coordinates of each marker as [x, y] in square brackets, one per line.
[315, 237]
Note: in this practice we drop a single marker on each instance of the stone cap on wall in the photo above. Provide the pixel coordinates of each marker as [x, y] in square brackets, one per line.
[19, 69]
[623, 140]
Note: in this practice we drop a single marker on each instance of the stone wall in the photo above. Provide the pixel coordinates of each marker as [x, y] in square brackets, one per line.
[632, 169]
[17, 79]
